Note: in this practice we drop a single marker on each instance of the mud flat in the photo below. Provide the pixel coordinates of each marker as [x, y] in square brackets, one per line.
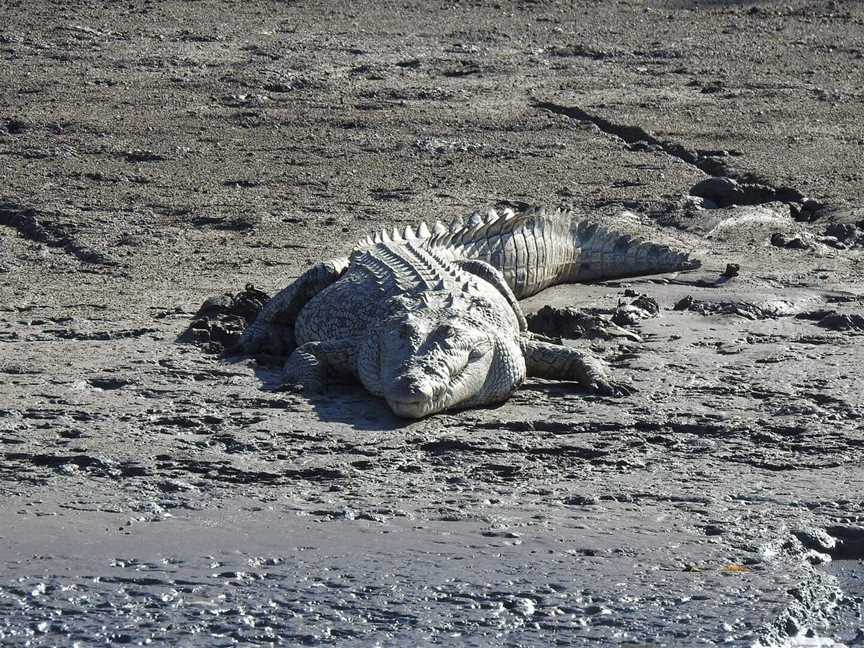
[154, 155]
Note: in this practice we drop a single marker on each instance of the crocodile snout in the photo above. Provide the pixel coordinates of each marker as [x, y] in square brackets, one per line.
[414, 396]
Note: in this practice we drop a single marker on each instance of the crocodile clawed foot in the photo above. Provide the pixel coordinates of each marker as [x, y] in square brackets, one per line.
[610, 388]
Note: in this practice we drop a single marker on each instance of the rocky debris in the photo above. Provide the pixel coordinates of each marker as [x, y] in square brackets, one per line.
[442, 147]
[732, 270]
[778, 239]
[770, 310]
[221, 320]
[839, 321]
[724, 192]
[726, 186]
[142, 155]
[639, 308]
[844, 235]
[806, 241]
[572, 323]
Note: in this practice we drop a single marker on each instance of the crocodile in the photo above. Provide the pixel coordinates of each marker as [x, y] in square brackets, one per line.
[429, 318]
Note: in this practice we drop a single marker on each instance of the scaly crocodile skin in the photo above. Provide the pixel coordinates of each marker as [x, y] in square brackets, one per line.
[429, 319]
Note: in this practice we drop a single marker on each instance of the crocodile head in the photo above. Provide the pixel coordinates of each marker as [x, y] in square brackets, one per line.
[428, 362]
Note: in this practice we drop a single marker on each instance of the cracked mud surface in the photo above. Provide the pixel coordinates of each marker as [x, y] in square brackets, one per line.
[155, 155]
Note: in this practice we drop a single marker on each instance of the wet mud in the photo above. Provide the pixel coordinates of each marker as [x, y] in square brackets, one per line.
[160, 156]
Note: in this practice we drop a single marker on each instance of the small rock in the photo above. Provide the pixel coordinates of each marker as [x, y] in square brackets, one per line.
[142, 155]
[778, 239]
[582, 500]
[642, 307]
[732, 270]
[683, 304]
[172, 485]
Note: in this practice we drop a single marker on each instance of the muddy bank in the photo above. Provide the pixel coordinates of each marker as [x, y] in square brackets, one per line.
[154, 156]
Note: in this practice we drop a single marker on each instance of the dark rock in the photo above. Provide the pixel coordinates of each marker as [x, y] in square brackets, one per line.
[741, 309]
[842, 322]
[572, 323]
[582, 500]
[724, 191]
[732, 270]
[683, 304]
[642, 307]
[778, 239]
[140, 155]
[843, 232]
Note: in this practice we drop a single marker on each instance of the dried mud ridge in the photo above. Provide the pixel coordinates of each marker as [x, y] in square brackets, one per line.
[27, 222]
[726, 187]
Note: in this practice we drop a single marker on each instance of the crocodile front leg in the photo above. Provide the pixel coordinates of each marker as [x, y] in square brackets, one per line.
[307, 368]
[273, 329]
[554, 361]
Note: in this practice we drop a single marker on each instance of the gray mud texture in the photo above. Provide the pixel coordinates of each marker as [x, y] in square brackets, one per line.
[156, 154]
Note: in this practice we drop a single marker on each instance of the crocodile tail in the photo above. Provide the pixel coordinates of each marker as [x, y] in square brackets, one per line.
[535, 249]
[602, 253]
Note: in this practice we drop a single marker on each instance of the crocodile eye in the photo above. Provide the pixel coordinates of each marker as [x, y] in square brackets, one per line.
[476, 353]
[479, 349]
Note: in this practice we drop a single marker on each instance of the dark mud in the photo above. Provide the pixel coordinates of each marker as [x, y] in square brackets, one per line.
[154, 155]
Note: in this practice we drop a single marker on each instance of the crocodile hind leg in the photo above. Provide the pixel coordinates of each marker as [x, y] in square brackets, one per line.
[308, 366]
[273, 329]
[554, 361]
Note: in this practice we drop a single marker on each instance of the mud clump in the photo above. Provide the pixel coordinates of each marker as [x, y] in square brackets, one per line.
[221, 320]
[778, 239]
[724, 191]
[741, 309]
[842, 321]
[631, 313]
[557, 323]
[846, 234]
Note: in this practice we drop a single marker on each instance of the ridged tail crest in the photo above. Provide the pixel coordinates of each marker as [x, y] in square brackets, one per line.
[535, 249]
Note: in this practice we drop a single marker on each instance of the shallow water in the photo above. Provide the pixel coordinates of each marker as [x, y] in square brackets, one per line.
[229, 578]
[850, 579]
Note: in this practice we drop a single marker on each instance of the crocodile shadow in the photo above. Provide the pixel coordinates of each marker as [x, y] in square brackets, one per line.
[342, 401]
